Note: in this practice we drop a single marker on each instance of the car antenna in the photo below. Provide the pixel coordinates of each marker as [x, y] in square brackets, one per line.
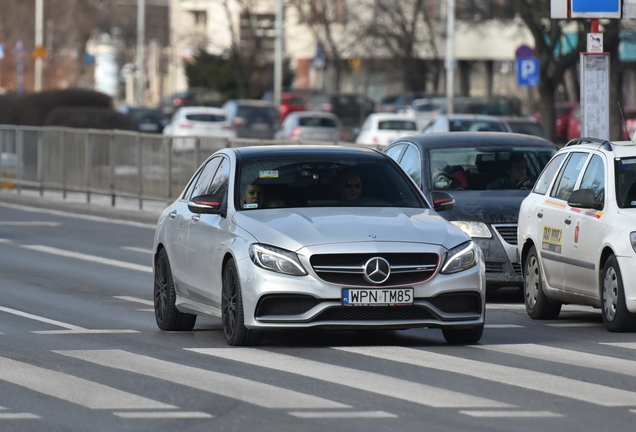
[623, 118]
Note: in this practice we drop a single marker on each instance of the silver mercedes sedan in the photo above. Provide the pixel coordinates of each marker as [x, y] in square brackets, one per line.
[272, 238]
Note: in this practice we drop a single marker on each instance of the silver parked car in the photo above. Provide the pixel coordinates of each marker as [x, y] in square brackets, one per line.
[310, 126]
[466, 123]
[282, 237]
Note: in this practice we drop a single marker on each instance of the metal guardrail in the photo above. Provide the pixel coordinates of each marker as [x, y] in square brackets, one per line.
[112, 163]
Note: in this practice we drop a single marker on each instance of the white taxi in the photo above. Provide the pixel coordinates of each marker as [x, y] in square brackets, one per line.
[577, 233]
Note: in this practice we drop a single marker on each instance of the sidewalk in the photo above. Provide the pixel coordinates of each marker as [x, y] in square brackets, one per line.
[99, 205]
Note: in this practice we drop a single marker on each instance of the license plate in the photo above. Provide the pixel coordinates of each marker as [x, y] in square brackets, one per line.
[377, 297]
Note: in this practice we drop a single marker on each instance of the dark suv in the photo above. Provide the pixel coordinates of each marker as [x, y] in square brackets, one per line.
[193, 96]
[251, 118]
[351, 109]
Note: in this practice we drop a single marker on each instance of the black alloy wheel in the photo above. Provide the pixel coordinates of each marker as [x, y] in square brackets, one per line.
[234, 330]
[167, 315]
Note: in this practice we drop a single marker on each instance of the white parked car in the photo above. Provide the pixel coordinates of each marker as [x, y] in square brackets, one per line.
[466, 123]
[577, 233]
[195, 121]
[381, 129]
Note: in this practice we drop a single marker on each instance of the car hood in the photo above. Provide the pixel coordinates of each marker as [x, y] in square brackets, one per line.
[488, 206]
[295, 228]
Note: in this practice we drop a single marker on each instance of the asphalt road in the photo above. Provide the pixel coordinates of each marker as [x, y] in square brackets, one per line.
[80, 351]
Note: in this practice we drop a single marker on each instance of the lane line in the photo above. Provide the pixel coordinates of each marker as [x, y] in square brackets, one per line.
[628, 345]
[136, 249]
[41, 319]
[564, 356]
[574, 325]
[256, 393]
[91, 258]
[164, 415]
[83, 331]
[18, 416]
[72, 389]
[30, 224]
[361, 380]
[4, 240]
[522, 307]
[527, 379]
[136, 300]
[502, 326]
[511, 414]
[342, 414]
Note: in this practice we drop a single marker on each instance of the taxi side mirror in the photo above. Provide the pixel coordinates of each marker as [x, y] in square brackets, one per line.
[584, 198]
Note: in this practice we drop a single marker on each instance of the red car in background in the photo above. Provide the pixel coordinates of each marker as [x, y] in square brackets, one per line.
[574, 124]
[563, 113]
[291, 102]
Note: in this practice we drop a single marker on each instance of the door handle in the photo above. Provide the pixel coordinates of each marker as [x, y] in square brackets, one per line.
[568, 221]
[196, 218]
[172, 214]
[539, 215]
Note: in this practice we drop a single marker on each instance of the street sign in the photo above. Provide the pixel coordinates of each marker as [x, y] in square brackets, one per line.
[524, 52]
[595, 42]
[528, 72]
[39, 52]
[1, 51]
[595, 95]
[595, 9]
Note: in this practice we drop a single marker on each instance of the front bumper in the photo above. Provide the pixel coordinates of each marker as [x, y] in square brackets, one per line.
[501, 256]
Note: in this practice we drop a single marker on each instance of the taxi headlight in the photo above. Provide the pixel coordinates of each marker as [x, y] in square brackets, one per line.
[632, 239]
[473, 229]
[460, 258]
[276, 259]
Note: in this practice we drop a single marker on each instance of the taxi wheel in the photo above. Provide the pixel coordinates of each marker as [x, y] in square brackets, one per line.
[615, 314]
[463, 335]
[167, 315]
[537, 304]
[234, 330]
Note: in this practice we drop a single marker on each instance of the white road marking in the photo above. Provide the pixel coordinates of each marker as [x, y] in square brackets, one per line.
[367, 381]
[73, 389]
[18, 416]
[41, 319]
[84, 331]
[518, 377]
[163, 415]
[30, 223]
[91, 258]
[3, 240]
[242, 389]
[510, 414]
[573, 325]
[145, 310]
[502, 326]
[564, 308]
[568, 357]
[136, 300]
[342, 414]
[136, 249]
[628, 345]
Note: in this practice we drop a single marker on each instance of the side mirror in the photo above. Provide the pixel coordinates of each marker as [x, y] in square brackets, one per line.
[442, 201]
[207, 204]
[584, 198]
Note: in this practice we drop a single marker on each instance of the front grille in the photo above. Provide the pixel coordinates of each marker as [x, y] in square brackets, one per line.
[507, 232]
[348, 269]
[375, 313]
[457, 303]
[285, 304]
[517, 269]
[494, 267]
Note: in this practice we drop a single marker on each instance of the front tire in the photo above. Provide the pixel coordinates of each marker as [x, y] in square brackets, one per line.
[234, 330]
[167, 315]
[463, 336]
[615, 314]
[537, 304]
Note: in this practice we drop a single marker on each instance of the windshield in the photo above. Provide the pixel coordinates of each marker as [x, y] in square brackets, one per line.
[397, 125]
[317, 122]
[323, 181]
[476, 126]
[489, 168]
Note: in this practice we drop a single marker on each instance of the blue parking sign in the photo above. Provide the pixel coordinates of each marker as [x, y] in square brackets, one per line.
[528, 72]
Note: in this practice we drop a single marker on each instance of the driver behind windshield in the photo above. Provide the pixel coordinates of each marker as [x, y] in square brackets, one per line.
[515, 173]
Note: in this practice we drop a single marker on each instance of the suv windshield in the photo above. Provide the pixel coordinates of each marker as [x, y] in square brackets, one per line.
[481, 169]
[322, 181]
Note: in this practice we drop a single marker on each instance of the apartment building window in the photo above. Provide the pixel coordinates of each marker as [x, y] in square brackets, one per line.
[200, 18]
[318, 10]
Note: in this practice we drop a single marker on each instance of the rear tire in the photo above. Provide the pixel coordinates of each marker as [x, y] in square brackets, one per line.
[538, 306]
[234, 330]
[615, 314]
[167, 315]
[463, 336]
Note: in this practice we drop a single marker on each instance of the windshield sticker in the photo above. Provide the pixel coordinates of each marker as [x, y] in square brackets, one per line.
[552, 239]
[627, 161]
[268, 174]
[248, 206]
[580, 164]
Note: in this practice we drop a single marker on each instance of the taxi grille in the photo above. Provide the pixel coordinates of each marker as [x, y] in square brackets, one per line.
[508, 232]
[348, 269]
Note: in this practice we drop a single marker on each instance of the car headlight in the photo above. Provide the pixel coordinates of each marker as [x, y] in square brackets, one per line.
[473, 229]
[276, 259]
[632, 239]
[460, 258]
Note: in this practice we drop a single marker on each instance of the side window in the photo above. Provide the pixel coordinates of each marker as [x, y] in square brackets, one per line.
[412, 164]
[567, 178]
[202, 184]
[395, 151]
[548, 174]
[221, 179]
[594, 178]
